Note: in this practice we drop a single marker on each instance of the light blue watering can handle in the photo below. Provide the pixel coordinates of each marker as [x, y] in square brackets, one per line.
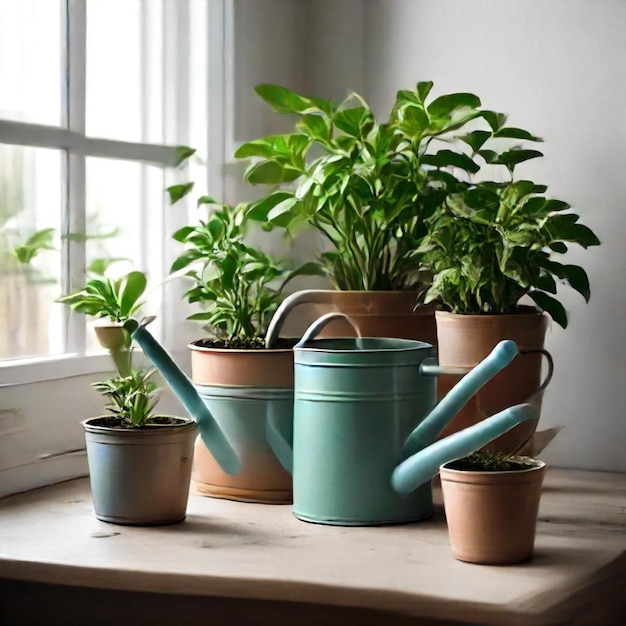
[458, 396]
[184, 390]
[318, 325]
[423, 465]
[306, 296]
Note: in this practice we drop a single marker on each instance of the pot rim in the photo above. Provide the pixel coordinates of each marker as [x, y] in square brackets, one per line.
[525, 311]
[151, 429]
[193, 346]
[536, 463]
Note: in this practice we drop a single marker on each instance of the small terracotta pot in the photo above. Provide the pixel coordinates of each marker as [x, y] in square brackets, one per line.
[465, 340]
[112, 336]
[492, 516]
[244, 389]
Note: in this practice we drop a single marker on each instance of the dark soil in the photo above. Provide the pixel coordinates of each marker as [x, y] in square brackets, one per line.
[156, 421]
[490, 462]
[283, 343]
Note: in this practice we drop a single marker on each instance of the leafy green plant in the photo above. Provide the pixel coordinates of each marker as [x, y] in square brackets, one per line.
[238, 286]
[366, 186]
[491, 243]
[132, 398]
[118, 299]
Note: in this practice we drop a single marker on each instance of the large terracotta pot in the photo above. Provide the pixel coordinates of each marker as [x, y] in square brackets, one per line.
[242, 388]
[464, 340]
[492, 516]
[375, 313]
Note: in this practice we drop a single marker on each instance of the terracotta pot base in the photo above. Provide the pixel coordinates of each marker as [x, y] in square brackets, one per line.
[245, 495]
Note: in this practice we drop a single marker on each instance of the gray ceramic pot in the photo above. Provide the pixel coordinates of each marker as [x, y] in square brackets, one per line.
[140, 476]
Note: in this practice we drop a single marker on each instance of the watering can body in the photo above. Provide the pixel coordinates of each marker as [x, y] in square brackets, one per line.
[354, 411]
[366, 423]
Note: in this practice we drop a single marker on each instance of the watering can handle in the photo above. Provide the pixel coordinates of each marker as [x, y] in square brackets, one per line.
[306, 296]
[429, 367]
[318, 325]
[184, 390]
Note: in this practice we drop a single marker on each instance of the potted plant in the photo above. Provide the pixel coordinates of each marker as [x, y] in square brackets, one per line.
[491, 503]
[112, 301]
[494, 251]
[367, 188]
[238, 287]
[139, 461]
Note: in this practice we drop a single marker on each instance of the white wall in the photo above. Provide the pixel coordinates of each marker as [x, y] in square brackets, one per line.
[558, 68]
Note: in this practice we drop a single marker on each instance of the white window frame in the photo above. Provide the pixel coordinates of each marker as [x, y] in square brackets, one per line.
[35, 468]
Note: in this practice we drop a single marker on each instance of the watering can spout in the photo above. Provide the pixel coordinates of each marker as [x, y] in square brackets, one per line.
[432, 426]
[186, 393]
[422, 466]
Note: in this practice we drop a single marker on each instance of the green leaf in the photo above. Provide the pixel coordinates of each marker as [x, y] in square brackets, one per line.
[281, 208]
[184, 260]
[259, 210]
[578, 280]
[551, 306]
[182, 233]
[423, 89]
[553, 205]
[270, 172]
[307, 269]
[490, 156]
[255, 148]
[444, 105]
[564, 226]
[216, 228]
[447, 158]
[283, 100]
[494, 119]
[514, 156]
[476, 139]
[182, 154]
[205, 200]
[350, 120]
[177, 192]
[315, 126]
[131, 289]
[516, 133]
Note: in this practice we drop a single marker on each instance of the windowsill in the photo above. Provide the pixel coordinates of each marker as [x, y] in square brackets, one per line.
[235, 550]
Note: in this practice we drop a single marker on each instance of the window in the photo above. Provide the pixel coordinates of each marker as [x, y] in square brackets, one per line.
[94, 95]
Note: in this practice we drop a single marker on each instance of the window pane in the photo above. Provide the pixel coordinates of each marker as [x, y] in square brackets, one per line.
[124, 70]
[124, 217]
[30, 60]
[30, 220]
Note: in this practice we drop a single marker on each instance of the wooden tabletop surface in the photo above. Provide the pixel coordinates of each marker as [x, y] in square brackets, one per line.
[237, 550]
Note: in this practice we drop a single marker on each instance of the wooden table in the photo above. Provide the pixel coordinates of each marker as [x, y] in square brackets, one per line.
[247, 562]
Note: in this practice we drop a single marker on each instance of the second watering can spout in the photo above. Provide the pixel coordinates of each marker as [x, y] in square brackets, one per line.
[423, 465]
[184, 390]
[432, 426]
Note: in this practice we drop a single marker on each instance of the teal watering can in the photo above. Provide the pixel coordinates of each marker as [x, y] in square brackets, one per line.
[366, 421]
[185, 391]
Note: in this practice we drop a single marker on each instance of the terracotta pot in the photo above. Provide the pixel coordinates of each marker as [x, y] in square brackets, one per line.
[464, 340]
[112, 336]
[375, 313]
[243, 389]
[492, 516]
